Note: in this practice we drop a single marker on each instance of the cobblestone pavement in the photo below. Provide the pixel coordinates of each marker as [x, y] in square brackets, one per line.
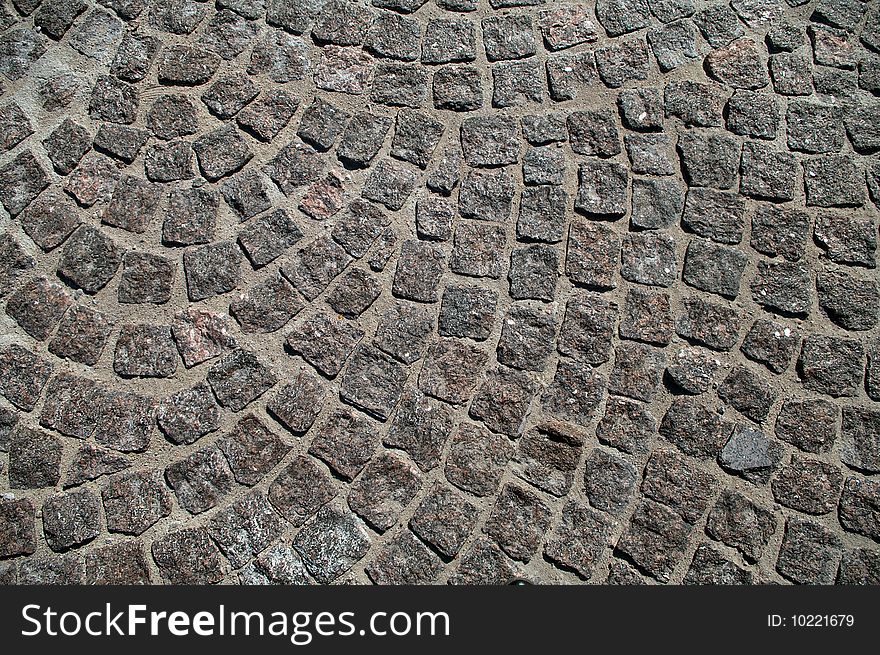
[457, 291]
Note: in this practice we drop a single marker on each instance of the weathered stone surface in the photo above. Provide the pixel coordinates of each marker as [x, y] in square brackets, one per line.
[188, 556]
[301, 489]
[252, 450]
[134, 502]
[332, 543]
[809, 553]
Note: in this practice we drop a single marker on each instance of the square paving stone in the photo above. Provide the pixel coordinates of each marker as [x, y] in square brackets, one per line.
[416, 135]
[172, 116]
[708, 159]
[770, 343]
[484, 564]
[486, 196]
[655, 539]
[831, 365]
[502, 401]
[403, 330]
[295, 165]
[344, 69]
[134, 57]
[627, 426]
[450, 370]
[404, 560]
[449, 40]
[18, 536]
[252, 450]
[754, 114]
[695, 428]
[14, 126]
[575, 392]
[345, 441]
[847, 239]
[23, 374]
[266, 306]
[834, 181]
[221, 152]
[311, 268]
[167, 162]
[641, 109]
[399, 85]
[713, 325]
[594, 132]
[14, 262]
[547, 457]
[740, 523]
[646, 316]
[650, 154]
[387, 485]
[279, 56]
[808, 485]
[188, 415]
[444, 519]
[50, 219]
[420, 427]
[121, 562]
[114, 100]
[809, 552]
[592, 255]
[508, 37]
[245, 528]
[267, 237]
[34, 459]
[66, 145]
[518, 521]
[373, 382]
[609, 481]
[202, 335]
[516, 83]
[188, 556]
[767, 173]
[418, 271]
[692, 370]
[856, 513]
[467, 311]
[747, 392]
[332, 543]
[301, 489]
[212, 269]
[542, 214]
[146, 278]
[779, 231]
[268, 115]
[124, 419]
[637, 370]
[602, 188]
[434, 218]
[814, 127]
[447, 174]
[533, 272]
[649, 258]
[579, 539]
[849, 301]
[325, 341]
[694, 103]
[21, 180]
[246, 194]
[476, 459]
[715, 215]
[297, 404]
[37, 306]
[360, 225]
[70, 406]
[191, 217]
[71, 519]
[134, 502]
[145, 351]
[810, 424]
[363, 138]
[238, 378]
[656, 203]
[133, 204]
[527, 336]
[713, 268]
[858, 438]
[229, 95]
[544, 165]
[478, 250]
